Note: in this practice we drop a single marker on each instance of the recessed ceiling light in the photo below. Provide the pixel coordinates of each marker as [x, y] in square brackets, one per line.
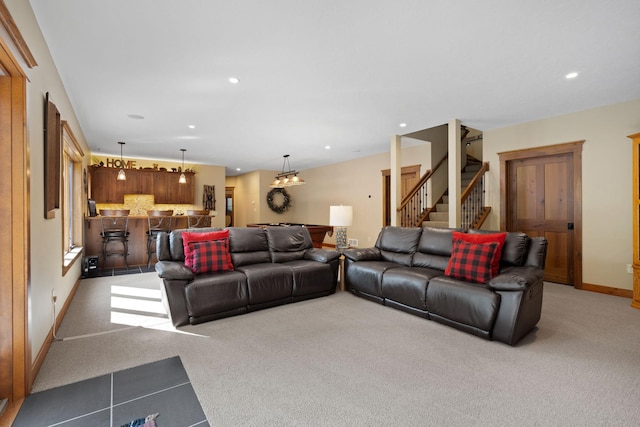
[135, 116]
[571, 75]
[191, 126]
[238, 169]
[234, 80]
[327, 147]
[403, 125]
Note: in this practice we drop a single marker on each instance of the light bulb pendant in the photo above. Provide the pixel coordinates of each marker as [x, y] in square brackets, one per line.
[183, 178]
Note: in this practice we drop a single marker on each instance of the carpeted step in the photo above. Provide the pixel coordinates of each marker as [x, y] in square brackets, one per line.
[435, 224]
[442, 207]
[439, 216]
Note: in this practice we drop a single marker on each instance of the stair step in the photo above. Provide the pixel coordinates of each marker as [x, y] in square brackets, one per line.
[472, 167]
[439, 216]
[445, 199]
[467, 175]
[442, 207]
[435, 224]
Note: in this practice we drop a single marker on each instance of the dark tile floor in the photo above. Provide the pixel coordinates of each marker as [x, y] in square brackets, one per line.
[108, 271]
[161, 387]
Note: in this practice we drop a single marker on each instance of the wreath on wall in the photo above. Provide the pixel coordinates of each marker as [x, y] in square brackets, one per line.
[278, 200]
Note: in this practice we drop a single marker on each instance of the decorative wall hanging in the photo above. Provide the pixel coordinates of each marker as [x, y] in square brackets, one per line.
[209, 197]
[52, 155]
[278, 200]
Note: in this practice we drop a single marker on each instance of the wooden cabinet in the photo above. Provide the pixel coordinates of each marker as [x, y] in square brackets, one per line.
[182, 193]
[105, 188]
[161, 187]
[139, 182]
[164, 186]
[635, 302]
[167, 189]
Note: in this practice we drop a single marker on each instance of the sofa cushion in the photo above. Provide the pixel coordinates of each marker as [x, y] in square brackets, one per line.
[408, 285]
[248, 245]
[310, 277]
[366, 276]
[485, 238]
[188, 237]
[267, 282]
[515, 249]
[209, 256]
[288, 243]
[463, 303]
[471, 261]
[434, 248]
[216, 293]
[398, 244]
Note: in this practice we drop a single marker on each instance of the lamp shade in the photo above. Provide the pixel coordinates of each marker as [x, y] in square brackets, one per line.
[340, 216]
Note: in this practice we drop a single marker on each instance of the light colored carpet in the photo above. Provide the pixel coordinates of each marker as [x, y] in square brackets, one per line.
[342, 360]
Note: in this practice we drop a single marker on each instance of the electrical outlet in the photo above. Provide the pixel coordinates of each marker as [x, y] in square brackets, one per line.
[353, 242]
[629, 269]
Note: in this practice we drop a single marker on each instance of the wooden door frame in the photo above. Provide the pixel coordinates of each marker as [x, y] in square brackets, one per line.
[15, 353]
[573, 148]
[387, 173]
[231, 190]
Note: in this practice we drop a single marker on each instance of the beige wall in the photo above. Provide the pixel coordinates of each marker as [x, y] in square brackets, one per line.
[606, 181]
[45, 235]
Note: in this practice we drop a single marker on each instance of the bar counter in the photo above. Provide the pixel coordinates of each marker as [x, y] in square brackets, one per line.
[137, 227]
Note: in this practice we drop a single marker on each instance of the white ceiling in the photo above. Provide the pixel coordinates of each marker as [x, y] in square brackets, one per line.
[343, 73]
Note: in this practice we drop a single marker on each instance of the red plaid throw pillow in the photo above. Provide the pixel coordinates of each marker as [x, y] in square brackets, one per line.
[471, 261]
[209, 256]
[194, 236]
[499, 238]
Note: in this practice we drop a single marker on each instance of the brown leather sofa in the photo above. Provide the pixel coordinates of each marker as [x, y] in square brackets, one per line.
[272, 266]
[406, 270]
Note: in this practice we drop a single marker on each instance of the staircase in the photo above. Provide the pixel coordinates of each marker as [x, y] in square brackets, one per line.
[439, 217]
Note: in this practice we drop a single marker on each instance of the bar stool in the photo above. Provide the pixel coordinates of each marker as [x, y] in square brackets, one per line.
[115, 223]
[198, 218]
[158, 221]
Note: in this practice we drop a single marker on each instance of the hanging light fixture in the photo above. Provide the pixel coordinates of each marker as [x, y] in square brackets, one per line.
[121, 174]
[287, 178]
[183, 178]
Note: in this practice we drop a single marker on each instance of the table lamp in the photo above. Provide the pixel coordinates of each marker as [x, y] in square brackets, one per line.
[341, 217]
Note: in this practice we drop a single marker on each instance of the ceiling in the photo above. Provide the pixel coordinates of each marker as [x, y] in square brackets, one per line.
[336, 73]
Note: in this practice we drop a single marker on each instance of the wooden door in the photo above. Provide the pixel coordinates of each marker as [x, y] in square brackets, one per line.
[229, 203]
[409, 175]
[542, 198]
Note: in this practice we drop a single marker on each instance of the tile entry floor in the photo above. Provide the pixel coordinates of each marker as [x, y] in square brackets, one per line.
[115, 399]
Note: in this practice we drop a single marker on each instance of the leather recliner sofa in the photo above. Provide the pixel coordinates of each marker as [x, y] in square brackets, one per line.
[406, 270]
[272, 266]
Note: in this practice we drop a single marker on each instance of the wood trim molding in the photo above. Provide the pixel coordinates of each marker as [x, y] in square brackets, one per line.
[9, 24]
[625, 293]
[39, 359]
[15, 355]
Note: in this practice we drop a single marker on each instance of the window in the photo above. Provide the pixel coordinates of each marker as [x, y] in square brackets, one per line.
[72, 196]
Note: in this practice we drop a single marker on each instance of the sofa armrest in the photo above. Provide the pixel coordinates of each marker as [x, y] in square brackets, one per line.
[364, 254]
[321, 255]
[516, 279]
[172, 270]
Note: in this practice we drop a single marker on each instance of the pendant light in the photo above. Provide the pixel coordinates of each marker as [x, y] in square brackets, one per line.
[287, 178]
[121, 174]
[183, 178]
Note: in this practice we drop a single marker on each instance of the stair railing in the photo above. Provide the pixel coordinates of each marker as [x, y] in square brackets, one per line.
[414, 206]
[474, 211]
